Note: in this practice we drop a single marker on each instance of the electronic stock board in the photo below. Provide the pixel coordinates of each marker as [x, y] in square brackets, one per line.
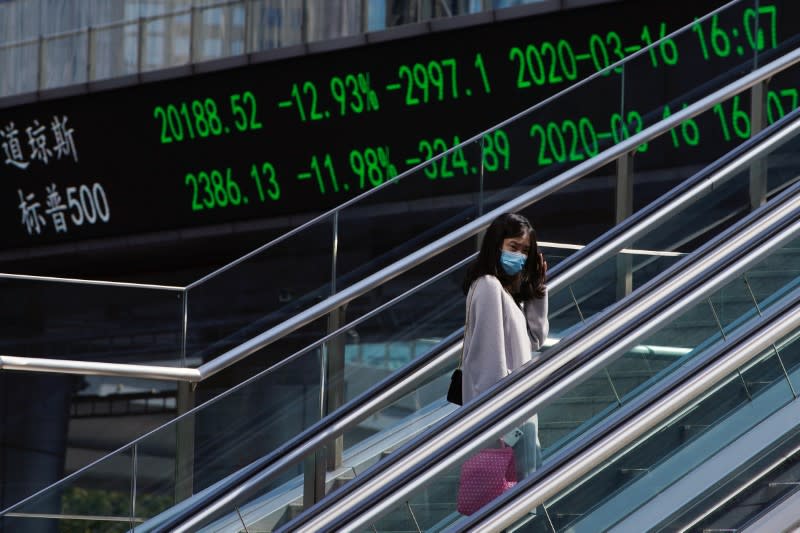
[304, 133]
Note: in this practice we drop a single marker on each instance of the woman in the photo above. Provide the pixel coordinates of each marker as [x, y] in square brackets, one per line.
[506, 316]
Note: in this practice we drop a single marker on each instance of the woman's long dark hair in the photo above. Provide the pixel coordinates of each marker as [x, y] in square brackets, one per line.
[532, 278]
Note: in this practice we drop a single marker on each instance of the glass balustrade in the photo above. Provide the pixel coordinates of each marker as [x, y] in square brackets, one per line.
[239, 302]
[652, 357]
[359, 238]
[687, 447]
[669, 345]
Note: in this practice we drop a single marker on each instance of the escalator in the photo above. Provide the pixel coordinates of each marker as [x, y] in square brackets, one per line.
[242, 426]
[721, 458]
[415, 487]
[277, 502]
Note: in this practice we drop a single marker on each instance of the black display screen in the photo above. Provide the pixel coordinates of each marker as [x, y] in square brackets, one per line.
[303, 134]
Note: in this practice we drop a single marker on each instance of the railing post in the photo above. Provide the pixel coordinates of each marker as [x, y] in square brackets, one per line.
[364, 16]
[480, 235]
[248, 16]
[133, 485]
[758, 168]
[623, 205]
[183, 297]
[140, 45]
[40, 59]
[335, 381]
[191, 34]
[227, 30]
[329, 457]
[624, 209]
[89, 54]
[184, 445]
[313, 478]
[304, 31]
[481, 182]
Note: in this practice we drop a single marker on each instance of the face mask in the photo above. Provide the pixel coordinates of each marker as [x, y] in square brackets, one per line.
[512, 262]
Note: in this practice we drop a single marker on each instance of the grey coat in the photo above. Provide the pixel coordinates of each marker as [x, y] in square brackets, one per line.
[499, 337]
[496, 337]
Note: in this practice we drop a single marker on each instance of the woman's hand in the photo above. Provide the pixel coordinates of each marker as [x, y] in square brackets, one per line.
[542, 264]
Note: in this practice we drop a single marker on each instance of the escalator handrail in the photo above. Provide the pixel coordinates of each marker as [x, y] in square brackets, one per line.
[636, 225]
[504, 398]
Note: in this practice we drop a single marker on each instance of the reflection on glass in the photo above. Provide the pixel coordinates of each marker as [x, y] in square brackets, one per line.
[91, 322]
[747, 493]
[655, 462]
[88, 500]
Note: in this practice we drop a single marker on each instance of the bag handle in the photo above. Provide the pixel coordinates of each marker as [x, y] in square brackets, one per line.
[466, 324]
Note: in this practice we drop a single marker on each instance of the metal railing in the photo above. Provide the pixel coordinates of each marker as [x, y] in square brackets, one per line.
[237, 27]
[586, 258]
[432, 365]
[419, 256]
[237, 353]
[446, 443]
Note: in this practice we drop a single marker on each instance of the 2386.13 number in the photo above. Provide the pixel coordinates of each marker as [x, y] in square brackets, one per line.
[214, 190]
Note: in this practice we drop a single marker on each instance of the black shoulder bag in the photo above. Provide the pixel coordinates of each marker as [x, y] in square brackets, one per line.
[454, 391]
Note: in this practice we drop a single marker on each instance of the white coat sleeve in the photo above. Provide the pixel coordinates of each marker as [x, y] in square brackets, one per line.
[538, 325]
[485, 356]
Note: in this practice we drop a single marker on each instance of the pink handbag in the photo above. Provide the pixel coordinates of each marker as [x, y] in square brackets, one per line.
[484, 477]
